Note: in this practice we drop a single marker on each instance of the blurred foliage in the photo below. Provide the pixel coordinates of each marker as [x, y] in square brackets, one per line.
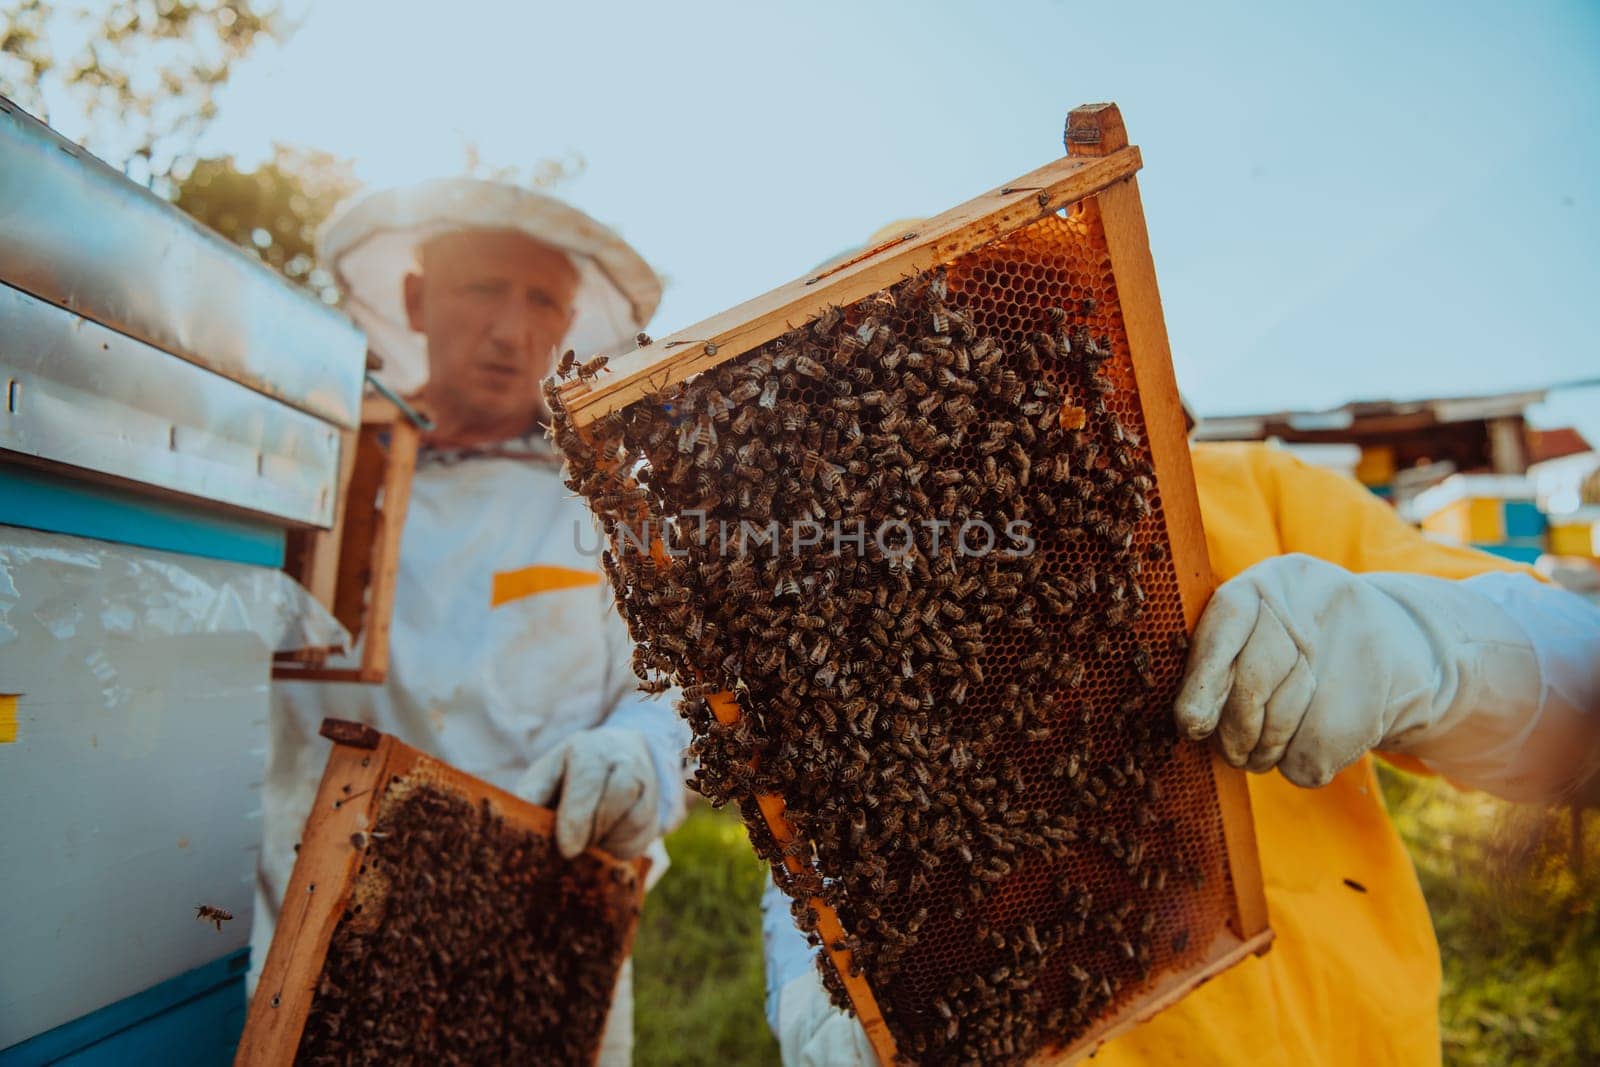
[274, 210]
[1518, 929]
[698, 981]
[144, 74]
[543, 174]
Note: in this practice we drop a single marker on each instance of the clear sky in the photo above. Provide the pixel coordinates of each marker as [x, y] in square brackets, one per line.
[1353, 200]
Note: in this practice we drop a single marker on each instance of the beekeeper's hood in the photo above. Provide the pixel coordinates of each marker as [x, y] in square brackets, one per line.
[372, 243]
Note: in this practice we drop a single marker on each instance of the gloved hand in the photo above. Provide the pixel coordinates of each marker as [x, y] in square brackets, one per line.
[1304, 666]
[607, 787]
[814, 1033]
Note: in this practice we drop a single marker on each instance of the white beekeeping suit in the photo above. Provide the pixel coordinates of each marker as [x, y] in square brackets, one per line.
[505, 645]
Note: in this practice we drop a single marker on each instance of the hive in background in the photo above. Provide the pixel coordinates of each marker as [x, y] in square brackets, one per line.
[962, 767]
[429, 917]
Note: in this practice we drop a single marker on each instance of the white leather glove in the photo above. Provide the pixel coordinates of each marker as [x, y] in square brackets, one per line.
[1304, 666]
[814, 1033]
[603, 784]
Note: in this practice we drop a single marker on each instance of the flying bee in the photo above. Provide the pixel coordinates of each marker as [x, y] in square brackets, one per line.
[568, 359]
[209, 913]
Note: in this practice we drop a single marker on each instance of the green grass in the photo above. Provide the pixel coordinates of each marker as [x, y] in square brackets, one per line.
[698, 985]
[1519, 934]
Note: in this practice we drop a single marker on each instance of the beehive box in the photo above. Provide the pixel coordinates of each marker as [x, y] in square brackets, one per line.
[960, 762]
[1576, 533]
[1481, 509]
[429, 918]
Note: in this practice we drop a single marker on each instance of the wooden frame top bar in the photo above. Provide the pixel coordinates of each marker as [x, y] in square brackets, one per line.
[670, 360]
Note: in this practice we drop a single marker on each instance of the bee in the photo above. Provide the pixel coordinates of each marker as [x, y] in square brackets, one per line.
[210, 913]
[564, 368]
[1140, 660]
[768, 398]
[592, 368]
[827, 323]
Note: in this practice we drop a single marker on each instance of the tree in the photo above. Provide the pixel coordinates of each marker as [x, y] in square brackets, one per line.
[142, 74]
[274, 210]
[543, 174]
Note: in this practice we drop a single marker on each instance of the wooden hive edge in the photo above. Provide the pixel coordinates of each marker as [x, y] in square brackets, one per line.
[643, 371]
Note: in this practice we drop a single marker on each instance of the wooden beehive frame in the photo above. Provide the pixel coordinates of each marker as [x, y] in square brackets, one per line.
[351, 567]
[325, 870]
[1100, 166]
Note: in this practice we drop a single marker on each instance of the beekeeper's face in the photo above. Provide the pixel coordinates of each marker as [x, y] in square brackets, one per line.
[493, 304]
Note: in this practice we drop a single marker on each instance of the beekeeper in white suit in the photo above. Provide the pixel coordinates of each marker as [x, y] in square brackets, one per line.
[507, 658]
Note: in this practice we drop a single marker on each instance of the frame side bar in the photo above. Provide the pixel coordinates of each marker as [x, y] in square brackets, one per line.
[1133, 270]
[313, 904]
[725, 706]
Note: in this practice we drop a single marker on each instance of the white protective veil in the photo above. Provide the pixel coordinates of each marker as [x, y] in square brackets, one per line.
[372, 243]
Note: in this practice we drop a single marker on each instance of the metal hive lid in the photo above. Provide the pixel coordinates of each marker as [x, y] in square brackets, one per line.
[81, 236]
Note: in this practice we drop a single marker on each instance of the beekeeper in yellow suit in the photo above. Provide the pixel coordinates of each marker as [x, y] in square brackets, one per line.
[1338, 632]
[507, 658]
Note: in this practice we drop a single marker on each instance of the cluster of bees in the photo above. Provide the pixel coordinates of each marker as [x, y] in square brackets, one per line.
[970, 745]
[490, 948]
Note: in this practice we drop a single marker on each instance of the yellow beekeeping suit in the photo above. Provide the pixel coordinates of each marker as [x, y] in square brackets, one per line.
[1353, 977]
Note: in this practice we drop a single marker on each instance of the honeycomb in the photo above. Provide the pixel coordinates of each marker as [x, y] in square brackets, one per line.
[1092, 860]
[469, 940]
[1008, 286]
